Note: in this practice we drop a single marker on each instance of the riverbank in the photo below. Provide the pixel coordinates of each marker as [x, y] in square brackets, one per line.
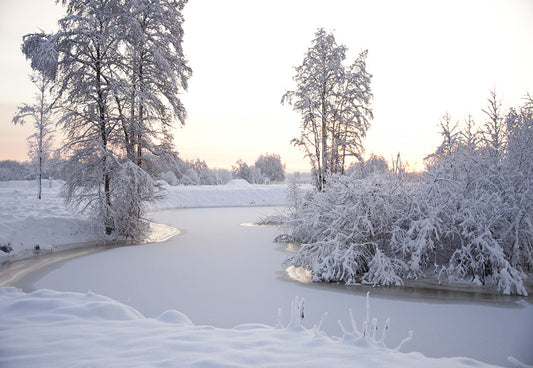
[29, 225]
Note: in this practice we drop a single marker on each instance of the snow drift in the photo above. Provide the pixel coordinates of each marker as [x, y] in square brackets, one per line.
[62, 329]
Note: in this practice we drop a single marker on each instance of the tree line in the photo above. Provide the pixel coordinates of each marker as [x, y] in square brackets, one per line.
[268, 168]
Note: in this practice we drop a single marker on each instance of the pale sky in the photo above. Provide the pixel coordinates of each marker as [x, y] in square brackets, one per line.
[427, 58]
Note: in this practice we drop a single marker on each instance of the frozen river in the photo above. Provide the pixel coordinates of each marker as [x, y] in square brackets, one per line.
[221, 273]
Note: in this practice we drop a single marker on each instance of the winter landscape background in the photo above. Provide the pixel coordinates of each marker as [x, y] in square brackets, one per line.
[122, 245]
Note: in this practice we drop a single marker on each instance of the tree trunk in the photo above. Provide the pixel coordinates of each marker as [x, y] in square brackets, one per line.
[108, 224]
[324, 169]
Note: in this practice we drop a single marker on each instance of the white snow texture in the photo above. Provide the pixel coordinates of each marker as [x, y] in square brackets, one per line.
[61, 329]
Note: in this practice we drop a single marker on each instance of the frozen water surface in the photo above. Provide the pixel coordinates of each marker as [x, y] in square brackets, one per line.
[220, 273]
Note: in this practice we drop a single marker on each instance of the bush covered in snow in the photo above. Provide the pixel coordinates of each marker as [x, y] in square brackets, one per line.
[469, 217]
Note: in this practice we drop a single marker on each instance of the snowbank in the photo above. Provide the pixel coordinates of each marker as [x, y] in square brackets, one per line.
[27, 223]
[61, 329]
[236, 193]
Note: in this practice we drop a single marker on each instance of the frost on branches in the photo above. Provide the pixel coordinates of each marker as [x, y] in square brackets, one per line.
[334, 102]
[118, 68]
[467, 218]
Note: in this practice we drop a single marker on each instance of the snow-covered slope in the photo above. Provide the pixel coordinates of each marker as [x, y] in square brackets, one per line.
[58, 329]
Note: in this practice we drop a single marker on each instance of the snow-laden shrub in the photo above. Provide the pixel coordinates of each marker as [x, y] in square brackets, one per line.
[349, 230]
[132, 189]
[122, 213]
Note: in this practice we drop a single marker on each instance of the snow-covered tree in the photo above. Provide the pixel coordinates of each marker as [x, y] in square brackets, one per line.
[107, 57]
[375, 164]
[270, 167]
[494, 129]
[40, 113]
[157, 72]
[241, 170]
[334, 102]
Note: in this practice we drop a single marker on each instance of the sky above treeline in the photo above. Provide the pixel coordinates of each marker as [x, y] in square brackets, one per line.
[427, 58]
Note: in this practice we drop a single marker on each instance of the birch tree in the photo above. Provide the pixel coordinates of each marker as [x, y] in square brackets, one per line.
[334, 102]
[40, 112]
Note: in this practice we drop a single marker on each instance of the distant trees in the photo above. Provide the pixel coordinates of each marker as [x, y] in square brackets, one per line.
[13, 170]
[270, 167]
[194, 172]
[334, 102]
[40, 113]
[241, 170]
[267, 168]
[468, 218]
[374, 165]
[119, 67]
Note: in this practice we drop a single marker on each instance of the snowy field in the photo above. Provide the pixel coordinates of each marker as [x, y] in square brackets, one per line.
[138, 325]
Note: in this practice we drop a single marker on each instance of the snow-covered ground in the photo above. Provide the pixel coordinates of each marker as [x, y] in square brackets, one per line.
[52, 328]
[57, 329]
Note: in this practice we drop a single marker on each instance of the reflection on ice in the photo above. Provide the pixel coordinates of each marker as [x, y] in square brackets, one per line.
[299, 274]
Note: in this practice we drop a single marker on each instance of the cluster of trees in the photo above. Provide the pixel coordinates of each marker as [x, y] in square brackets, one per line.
[14, 170]
[170, 168]
[468, 217]
[52, 168]
[117, 68]
[334, 102]
[267, 169]
[194, 172]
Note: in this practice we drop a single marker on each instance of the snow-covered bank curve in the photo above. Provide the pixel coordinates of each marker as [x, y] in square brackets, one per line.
[43, 329]
[237, 193]
[27, 223]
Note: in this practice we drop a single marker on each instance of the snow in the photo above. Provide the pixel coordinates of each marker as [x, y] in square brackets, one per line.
[237, 192]
[66, 328]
